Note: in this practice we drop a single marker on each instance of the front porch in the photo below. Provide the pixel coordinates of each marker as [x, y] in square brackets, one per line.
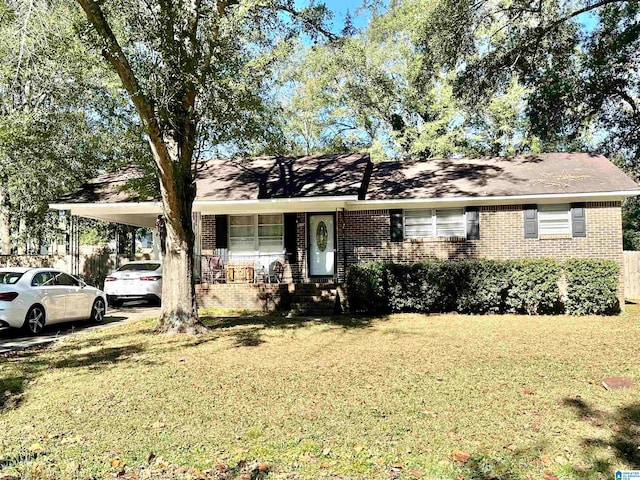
[296, 298]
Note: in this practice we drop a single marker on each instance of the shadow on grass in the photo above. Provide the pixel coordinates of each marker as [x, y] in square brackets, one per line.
[615, 447]
[623, 426]
[97, 353]
[99, 358]
[287, 323]
[248, 337]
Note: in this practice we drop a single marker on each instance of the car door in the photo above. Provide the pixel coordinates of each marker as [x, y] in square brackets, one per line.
[51, 296]
[75, 297]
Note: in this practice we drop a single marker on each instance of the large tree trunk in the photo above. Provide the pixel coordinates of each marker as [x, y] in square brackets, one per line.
[179, 313]
[172, 142]
[5, 222]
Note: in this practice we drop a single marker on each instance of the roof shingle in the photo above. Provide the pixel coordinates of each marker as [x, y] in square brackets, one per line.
[354, 175]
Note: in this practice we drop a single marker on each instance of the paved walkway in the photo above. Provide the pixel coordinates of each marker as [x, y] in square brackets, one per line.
[12, 339]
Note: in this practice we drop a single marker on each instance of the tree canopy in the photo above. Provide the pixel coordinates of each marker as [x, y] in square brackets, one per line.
[61, 117]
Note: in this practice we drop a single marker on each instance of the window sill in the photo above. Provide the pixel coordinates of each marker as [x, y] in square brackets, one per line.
[436, 240]
[555, 237]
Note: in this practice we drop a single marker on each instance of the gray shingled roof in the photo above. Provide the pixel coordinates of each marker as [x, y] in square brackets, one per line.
[354, 175]
[549, 173]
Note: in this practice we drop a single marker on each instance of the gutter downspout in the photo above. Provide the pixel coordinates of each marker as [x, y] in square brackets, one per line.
[344, 245]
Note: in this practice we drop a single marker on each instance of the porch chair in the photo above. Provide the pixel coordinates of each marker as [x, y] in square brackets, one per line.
[260, 274]
[215, 272]
[276, 271]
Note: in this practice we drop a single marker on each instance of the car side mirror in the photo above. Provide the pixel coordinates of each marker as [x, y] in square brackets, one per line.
[82, 284]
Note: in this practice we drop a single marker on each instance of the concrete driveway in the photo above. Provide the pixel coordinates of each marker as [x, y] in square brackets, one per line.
[11, 339]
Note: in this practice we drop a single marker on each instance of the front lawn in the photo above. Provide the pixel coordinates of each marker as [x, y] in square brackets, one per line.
[403, 396]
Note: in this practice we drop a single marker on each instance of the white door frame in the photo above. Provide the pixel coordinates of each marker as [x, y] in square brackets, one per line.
[335, 244]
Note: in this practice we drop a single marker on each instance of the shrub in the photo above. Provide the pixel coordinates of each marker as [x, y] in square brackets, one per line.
[424, 287]
[533, 287]
[592, 287]
[482, 286]
[365, 288]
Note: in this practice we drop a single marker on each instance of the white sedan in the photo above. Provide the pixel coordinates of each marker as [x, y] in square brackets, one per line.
[31, 298]
[141, 280]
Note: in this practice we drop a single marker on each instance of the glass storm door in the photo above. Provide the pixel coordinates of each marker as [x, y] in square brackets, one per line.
[321, 245]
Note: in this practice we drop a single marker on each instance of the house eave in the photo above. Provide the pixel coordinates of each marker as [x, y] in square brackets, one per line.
[143, 213]
[444, 202]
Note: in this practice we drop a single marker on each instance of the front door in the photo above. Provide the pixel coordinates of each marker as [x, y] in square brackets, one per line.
[322, 254]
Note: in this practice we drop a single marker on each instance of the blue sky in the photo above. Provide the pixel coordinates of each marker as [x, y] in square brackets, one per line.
[339, 9]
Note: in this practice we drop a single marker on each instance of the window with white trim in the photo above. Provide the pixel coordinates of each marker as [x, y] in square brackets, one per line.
[554, 219]
[256, 233]
[434, 223]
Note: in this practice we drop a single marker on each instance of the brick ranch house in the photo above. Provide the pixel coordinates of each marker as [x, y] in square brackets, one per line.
[284, 230]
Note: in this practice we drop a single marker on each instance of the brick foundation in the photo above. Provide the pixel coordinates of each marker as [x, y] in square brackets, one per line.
[305, 298]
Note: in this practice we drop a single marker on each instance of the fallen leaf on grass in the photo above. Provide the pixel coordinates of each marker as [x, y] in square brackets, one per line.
[417, 473]
[528, 392]
[151, 457]
[36, 448]
[358, 447]
[37, 469]
[159, 425]
[560, 460]
[459, 456]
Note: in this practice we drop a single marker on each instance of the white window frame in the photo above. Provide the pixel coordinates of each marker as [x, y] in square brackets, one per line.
[256, 234]
[434, 223]
[555, 207]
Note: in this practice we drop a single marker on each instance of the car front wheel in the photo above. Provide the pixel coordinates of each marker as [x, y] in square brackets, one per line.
[97, 311]
[35, 320]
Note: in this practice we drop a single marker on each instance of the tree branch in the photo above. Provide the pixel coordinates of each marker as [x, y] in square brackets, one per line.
[294, 13]
[580, 11]
[112, 51]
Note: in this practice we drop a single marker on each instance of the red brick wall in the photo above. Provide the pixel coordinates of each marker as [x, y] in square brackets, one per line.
[208, 234]
[364, 236]
[501, 237]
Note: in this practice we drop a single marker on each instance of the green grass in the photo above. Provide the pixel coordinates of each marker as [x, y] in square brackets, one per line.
[403, 396]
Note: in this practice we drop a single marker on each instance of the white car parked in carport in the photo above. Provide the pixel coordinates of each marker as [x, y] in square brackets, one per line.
[31, 298]
[140, 280]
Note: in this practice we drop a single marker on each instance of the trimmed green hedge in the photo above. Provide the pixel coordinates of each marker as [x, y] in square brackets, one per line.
[484, 287]
[533, 287]
[592, 287]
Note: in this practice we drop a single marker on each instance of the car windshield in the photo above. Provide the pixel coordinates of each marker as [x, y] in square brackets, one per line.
[139, 267]
[9, 278]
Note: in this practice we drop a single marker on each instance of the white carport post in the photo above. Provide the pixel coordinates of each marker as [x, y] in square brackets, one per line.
[156, 252]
